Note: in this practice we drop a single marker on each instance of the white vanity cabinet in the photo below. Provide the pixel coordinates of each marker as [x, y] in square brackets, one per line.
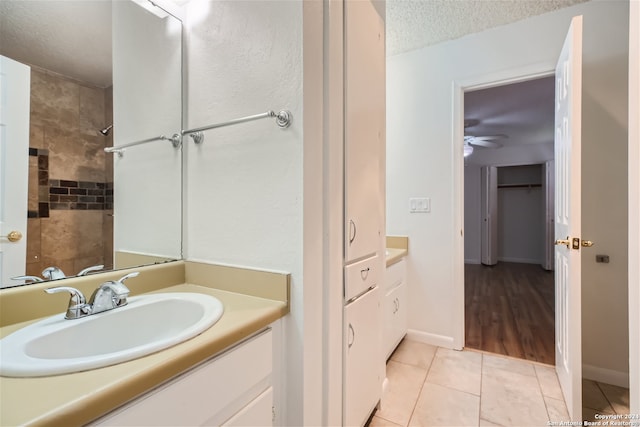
[232, 389]
[395, 307]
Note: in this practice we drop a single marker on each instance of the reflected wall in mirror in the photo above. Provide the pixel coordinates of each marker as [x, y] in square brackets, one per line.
[84, 207]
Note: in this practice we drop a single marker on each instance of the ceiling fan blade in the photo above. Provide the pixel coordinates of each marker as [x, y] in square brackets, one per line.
[489, 137]
[484, 143]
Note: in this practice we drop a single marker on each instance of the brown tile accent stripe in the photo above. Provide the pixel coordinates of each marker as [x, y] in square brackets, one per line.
[80, 195]
[62, 194]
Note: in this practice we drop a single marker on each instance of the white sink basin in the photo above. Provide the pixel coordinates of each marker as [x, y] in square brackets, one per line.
[147, 324]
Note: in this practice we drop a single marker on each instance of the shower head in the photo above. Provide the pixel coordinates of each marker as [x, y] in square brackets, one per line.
[106, 131]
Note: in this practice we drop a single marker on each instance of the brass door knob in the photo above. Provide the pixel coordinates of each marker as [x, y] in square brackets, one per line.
[566, 242]
[13, 236]
[587, 243]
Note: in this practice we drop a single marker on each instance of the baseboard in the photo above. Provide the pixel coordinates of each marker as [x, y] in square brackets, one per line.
[607, 376]
[472, 261]
[520, 260]
[427, 338]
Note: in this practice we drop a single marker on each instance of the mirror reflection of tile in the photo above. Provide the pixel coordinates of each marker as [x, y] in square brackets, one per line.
[70, 184]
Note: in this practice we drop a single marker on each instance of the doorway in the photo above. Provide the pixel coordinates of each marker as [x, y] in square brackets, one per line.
[509, 280]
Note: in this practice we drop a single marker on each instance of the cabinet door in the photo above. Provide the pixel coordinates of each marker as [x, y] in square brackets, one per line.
[364, 128]
[395, 318]
[363, 359]
[257, 413]
[205, 395]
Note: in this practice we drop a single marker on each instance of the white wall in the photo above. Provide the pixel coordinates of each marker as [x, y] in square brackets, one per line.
[146, 103]
[244, 184]
[421, 162]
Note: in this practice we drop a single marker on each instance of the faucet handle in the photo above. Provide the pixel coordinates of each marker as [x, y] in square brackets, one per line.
[127, 276]
[33, 279]
[87, 270]
[77, 304]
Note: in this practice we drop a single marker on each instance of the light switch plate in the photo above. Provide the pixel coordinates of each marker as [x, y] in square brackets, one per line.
[419, 205]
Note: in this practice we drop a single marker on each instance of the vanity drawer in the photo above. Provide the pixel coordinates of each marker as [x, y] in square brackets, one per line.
[360, 276]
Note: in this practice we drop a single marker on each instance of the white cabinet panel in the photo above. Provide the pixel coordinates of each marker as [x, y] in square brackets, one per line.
[361, 276]
[363, 358]
[364, 127]
[206, 395]
[395, 318]
[395, 305]
[256, 413]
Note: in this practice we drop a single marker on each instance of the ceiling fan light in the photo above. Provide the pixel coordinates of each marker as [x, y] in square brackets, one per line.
[468, 149]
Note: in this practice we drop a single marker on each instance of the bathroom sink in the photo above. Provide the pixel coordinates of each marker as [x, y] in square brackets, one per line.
[147, 324]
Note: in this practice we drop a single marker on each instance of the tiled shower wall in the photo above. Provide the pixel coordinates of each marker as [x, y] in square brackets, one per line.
[70, 221]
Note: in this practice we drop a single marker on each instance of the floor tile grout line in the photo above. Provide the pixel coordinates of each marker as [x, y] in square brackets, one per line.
[546, 406]
[606, 397]
[426, 375]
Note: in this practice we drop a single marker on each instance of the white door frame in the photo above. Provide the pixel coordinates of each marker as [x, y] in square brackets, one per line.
[634, 206]
[483, 81]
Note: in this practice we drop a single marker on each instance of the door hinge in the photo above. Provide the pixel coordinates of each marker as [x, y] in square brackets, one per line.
[273, 414]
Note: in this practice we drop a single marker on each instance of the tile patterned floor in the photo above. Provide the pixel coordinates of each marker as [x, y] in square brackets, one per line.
[433, 386]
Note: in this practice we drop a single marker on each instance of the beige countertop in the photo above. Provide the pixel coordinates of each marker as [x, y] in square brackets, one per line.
[397, 248]
[394, 255]
[78, 398]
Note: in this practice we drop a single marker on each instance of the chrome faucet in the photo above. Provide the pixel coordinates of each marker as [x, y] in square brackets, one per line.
[107, 296]
[53, 273]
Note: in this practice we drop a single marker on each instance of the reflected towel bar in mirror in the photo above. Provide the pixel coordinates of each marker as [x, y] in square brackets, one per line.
[175, 141]
[283, 120]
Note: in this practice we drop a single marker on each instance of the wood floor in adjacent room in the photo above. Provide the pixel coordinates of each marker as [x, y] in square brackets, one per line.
[509, 310]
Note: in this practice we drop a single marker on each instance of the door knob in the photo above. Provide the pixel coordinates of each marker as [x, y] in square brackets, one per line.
[13, 236]
[587, 243]
[566, 242]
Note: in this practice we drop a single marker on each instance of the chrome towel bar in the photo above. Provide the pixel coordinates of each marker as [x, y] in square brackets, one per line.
[175, 141]
[283, 120]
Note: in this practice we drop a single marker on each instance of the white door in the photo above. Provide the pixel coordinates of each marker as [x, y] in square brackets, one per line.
[489, 209]
[15, 81]
[568, 219]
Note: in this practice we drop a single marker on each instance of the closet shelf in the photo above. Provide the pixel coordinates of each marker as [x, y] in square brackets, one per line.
[519, 185]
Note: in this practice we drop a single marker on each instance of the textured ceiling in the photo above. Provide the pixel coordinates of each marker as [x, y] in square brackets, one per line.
[412, 24]
[69, 37]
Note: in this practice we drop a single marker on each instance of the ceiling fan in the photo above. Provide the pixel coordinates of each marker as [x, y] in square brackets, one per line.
[486, 141]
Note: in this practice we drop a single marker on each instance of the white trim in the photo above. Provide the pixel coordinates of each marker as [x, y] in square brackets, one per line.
[634, 206]
[333, 209]
[496, 78]
[607, 376]
[433, 339]
[313, 203]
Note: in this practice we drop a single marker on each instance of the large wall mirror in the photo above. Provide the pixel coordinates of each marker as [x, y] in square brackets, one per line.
[103, 74]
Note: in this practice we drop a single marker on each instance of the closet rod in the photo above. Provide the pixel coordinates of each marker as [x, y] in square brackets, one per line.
[283, 120]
